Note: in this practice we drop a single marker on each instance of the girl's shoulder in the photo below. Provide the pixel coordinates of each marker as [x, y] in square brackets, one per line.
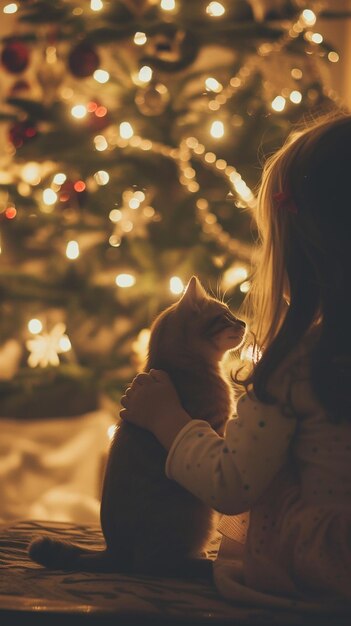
[290, 383]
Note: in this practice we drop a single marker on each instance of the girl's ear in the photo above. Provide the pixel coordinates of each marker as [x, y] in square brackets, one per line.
[194, 294]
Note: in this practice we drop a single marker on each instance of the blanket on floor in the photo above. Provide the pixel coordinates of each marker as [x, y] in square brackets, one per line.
[28, 589]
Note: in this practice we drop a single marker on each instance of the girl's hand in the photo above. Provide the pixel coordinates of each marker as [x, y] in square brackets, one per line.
[152, 402]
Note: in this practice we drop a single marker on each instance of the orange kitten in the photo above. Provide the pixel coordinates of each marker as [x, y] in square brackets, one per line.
[151, 524]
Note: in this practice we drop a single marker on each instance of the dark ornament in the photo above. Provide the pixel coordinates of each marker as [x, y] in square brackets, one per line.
[83, 60]
[22, 132]
[15, 56]
[19, 87]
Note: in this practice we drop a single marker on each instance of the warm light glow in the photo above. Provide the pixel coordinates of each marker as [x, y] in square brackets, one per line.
[251, 353]
[59, 178]
[217, 129]
[141, 345]
[125, 280]
[10, 8]
[11, 212]
[45, 348]
[100, 143]
[296, 73]
[145, 74]
[309, 17]
[333, 57]
[245, 287]
[31, 173]
[140, 38]
[96, 5]
[139, 195]
[317, 38]
[134, 203]
[79, 186]
[234, 275]
[72, 250]
[64, 344]
[115, 241]
[115, 215]
[176, 285]
[126, 130]
[79, 111]
[111, 431]
[101, 76]
[278, 104]
[49, 196]
[295, 96]
[212, 84]
[215, 9]
[101, 177]
[127, 226]
[35, 326]
[167, 5]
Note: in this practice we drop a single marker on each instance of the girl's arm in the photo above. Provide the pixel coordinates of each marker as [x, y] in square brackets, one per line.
[229, 473]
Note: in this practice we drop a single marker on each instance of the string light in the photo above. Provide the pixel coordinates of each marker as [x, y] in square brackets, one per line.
[133, 216]
[167, 5]
[333, 57]
[126, 130]
[96, 5]
[31, 173]
[102, 177]
[10, 212]
[79, 111]
[100, 143]
[212, 84]
[295, 96]
[317, 38]
[215, 9]
[217, 129]
[79, 186]
[140, 38]
[44, 348]
[125, 280]
[35, 326]
[176, 285]
[278, 104]
[72, 250]
[49, 196]
[182, 155]
[309, 17]
[296, 73]
[101, 76]
[59, 178]
[145, 74]
[10, 8]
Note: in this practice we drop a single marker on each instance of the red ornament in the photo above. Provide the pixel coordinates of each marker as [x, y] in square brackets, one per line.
[83, 60]
[73, 193]
[22, 132]
[15, 56]
[98, 117]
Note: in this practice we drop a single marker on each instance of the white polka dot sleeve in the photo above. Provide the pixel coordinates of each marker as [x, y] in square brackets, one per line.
[231, 473]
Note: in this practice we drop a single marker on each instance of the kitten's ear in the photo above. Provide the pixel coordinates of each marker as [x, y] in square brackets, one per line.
[194, 294]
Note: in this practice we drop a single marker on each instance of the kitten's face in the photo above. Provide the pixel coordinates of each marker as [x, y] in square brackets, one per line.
[198, 324]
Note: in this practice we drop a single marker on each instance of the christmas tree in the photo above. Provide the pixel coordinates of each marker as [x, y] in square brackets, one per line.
[133, 137]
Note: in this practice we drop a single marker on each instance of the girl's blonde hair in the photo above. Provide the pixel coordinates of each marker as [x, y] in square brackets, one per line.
[303, 259]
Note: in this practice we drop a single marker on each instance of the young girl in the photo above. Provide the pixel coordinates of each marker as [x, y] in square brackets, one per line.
[282, 472]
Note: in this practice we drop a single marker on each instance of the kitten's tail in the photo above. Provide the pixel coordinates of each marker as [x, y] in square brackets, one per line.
[56, 554]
